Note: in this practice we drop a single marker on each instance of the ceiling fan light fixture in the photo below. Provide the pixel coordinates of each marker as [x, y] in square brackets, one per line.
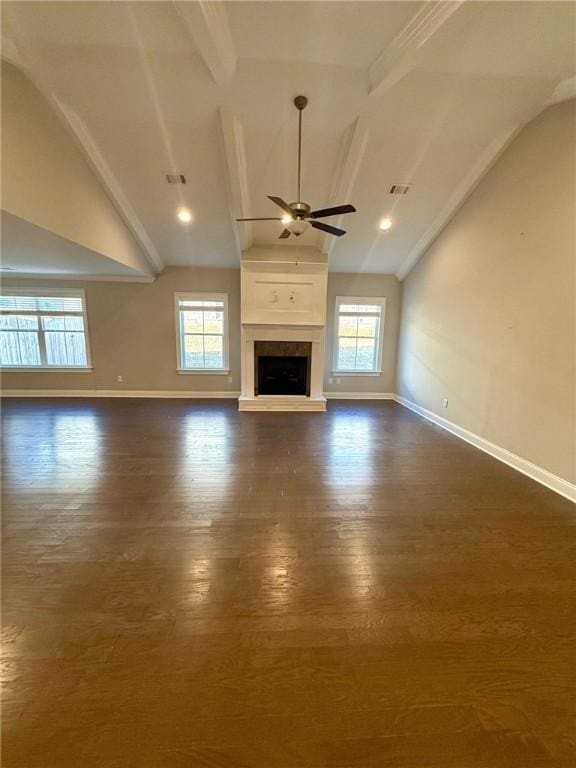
[184, 215]
[297, 226]
[298, 216]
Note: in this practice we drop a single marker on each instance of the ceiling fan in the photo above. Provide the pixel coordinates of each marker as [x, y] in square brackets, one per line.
[297, 215]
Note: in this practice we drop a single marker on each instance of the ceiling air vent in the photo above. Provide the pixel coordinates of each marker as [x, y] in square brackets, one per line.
[175, 178]
[399, 189]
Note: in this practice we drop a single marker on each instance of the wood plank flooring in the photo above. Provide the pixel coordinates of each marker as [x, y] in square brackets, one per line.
[190, 587]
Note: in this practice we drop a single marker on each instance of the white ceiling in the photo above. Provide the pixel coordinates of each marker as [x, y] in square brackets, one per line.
[420, 92]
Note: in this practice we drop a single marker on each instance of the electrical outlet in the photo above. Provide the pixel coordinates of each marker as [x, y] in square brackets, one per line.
[337, 381]
[445, 403]
[229, 379]
[120, 379]
[330, 381]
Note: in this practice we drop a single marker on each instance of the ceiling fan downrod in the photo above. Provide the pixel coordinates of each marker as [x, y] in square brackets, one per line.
[299, 216]
[300, 103]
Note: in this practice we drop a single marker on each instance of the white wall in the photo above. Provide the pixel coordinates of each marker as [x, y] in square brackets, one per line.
[488, 316]
[47, 181]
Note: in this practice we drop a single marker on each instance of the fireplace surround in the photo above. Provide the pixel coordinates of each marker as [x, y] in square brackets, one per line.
[283, 314]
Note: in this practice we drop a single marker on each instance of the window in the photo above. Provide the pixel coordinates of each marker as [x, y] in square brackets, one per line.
[43, 330]
[202, 330]
[359, 326]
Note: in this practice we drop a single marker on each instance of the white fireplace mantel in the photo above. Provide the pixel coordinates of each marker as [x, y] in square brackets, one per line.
[283, 298]
[315, 402]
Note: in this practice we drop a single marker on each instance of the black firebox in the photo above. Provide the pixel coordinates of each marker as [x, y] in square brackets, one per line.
[280, 375]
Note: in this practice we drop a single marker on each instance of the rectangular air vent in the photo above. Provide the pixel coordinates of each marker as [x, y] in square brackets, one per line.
[175, 178]
[399, 189]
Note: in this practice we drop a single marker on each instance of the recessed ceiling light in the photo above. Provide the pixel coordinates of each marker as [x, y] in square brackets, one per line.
[385, 224]
[184, 215]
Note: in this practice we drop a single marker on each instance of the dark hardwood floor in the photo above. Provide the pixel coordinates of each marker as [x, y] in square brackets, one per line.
[190, 587]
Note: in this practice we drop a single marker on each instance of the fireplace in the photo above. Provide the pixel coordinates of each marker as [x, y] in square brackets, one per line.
[283, 316]
[282, 367]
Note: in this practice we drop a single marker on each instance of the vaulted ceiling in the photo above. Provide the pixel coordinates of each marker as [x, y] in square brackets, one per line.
[426, 93]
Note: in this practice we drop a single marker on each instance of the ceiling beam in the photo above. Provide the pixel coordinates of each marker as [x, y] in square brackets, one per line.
[235, 154]
[23, 56]
[351, 156]
[208, 26]
[110, 183]
[387, 69]
[401, 54]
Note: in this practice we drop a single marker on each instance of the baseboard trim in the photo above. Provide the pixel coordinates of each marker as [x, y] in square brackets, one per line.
[360, 395]
[188, 395]
[542, 476]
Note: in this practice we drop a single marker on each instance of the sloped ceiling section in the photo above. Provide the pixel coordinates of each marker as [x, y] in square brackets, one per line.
[47, 182]
[425, 93]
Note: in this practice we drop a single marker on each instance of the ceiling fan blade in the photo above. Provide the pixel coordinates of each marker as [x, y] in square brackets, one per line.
[336, 211]
[328, 228]
[283, 205]
[274, 218]
[285, 233]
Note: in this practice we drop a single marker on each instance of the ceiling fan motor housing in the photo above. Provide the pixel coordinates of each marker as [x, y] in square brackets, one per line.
[301, 209]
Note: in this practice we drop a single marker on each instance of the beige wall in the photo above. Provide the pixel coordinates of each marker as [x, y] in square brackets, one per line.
[489, 312]
[46, 179]
[133, 334]
[387, 286]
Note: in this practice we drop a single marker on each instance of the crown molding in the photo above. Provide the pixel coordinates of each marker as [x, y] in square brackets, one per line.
[22, 55]
[486, 160]
[110, 182]
[9, 275]
[464, 189]
[235, 155]
[208, 26]
[565, 90]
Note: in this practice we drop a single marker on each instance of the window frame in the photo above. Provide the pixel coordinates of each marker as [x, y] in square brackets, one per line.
[360, 300]
[49, 293]
[201, 296]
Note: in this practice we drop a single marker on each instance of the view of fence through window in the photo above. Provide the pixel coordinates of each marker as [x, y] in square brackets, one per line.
[202, 328]
[42, 332]
[358, 337]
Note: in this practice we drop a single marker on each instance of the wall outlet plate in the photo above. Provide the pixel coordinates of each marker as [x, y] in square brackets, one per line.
[445, 403]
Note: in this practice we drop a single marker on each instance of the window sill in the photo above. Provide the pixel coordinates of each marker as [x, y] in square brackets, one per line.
[204, 371]
[356, 373]
[44, 369]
